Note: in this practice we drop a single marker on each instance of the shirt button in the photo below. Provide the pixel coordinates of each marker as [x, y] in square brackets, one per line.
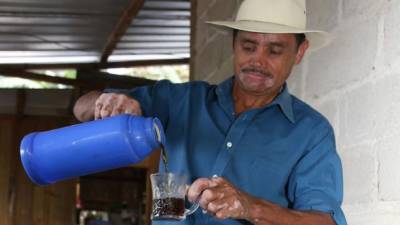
[229, 144]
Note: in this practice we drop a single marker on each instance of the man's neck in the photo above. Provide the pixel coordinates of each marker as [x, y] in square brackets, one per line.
[246, 101]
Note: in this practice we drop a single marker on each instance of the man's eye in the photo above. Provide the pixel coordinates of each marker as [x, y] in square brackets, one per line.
[275, 52]
[248, 48]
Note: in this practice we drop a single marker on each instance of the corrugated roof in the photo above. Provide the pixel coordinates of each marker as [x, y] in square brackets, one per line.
[69, 31]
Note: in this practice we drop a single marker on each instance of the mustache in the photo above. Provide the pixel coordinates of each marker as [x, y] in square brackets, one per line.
[254, 70]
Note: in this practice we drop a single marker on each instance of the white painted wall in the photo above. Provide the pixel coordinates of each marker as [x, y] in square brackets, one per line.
[355, 83]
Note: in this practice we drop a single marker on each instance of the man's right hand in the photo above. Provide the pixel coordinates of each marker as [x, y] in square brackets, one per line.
[98, 105]
[111, 104]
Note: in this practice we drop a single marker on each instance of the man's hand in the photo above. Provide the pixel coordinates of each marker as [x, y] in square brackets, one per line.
[111, 104]
[220, 198]
[97, 105]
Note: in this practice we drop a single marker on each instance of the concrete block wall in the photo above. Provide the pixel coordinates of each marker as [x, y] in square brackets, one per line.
[355, 83]
[213, 47]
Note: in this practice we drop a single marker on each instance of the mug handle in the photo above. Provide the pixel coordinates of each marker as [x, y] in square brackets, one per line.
[194, 206]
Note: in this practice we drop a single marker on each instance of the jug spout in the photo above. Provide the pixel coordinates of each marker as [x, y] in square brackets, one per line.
[152, 129]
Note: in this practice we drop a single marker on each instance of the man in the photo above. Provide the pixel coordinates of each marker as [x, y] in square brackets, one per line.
[254, 153]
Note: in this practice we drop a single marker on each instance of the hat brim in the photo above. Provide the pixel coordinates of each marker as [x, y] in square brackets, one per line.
[317, 39]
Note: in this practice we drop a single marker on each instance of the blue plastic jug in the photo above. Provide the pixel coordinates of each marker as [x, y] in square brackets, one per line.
[89, 147]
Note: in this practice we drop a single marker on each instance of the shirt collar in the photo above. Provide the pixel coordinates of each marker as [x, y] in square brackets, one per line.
[283, 100]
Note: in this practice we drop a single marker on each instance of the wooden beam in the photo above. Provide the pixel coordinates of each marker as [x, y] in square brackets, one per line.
[103, 79]
[38, 77]
[193, 28]
[122, 26]
[95, 66]
[109, 81]
[7, 116]
[14, 159]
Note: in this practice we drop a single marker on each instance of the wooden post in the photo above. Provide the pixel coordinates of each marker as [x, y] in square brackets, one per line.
[14, 157]
[151, 168]
[193, 26]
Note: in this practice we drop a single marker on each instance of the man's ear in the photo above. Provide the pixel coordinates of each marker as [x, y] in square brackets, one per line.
[301, 51]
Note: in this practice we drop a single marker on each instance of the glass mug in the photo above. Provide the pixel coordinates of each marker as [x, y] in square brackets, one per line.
[169, 194]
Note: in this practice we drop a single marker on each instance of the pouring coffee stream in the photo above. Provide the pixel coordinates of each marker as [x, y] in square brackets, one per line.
[164, 158]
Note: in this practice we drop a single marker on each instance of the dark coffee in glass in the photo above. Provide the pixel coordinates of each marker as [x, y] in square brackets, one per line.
[169, 194]
[168, 209]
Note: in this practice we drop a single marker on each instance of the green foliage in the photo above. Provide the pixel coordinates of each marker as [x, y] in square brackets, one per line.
[176, 74]
[11, 82]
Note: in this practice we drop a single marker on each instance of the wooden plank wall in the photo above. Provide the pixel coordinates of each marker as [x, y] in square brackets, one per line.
[21, 201]
[5, 152]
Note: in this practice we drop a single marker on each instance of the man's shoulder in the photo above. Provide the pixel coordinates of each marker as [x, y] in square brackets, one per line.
[196, 84]
[307, 114]
[190, 86]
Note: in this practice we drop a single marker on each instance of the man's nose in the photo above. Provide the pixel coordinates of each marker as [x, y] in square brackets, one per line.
[257, 59]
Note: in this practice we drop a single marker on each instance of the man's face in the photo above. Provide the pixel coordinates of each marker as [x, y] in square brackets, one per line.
[263, 62]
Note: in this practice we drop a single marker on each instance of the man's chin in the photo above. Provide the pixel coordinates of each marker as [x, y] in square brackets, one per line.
[258, 86]
[256, 77]
[256, 90]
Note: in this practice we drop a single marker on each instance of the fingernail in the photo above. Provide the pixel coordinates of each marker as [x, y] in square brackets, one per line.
[204, 211]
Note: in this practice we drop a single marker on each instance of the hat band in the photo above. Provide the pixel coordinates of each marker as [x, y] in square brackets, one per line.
[260, 27]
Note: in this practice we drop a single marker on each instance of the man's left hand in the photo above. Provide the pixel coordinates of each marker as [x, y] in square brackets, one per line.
[220, 198]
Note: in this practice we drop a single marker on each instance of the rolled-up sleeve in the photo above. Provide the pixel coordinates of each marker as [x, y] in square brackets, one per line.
[316, 183]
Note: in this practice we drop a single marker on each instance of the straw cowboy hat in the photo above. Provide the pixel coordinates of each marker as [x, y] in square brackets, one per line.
[276, 16]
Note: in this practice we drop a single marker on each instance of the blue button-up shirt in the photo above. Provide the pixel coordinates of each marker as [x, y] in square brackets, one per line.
[284, 152]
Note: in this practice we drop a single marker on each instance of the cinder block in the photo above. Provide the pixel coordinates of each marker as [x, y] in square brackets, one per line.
[296, 81]
[329, 109]
[203, 33]
[349, 58]
[322, 14]
[364, 8]
[341, 126]
[389, 177]
[222, 10]
[227, 46]
[392, 35]
[386, 92]
[374, 218]
[360, 179]
[211, 58]
[226, 69]
[377, 213]
[360, 115]
[223, 72]
[203, 6]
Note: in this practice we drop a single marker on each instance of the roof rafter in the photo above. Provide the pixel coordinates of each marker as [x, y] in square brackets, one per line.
[113, 80]
[95, 66]
[122, 26]
[38, 77]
